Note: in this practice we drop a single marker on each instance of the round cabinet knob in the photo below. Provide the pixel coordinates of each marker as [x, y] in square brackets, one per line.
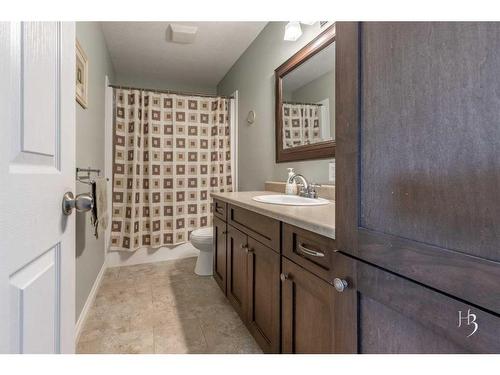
[284, 276]
[340, 284]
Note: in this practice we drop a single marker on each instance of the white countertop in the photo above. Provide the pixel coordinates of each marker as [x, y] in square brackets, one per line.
[317, 219]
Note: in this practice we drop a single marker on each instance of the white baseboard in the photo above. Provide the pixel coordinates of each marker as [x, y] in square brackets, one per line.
[88, 304]
[144, 255]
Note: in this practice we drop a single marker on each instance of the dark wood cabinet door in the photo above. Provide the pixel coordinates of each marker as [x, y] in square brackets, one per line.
[220, 252]
[418, 171]
[396, 315]
[263, 296]
[237, 255]
[307, 318]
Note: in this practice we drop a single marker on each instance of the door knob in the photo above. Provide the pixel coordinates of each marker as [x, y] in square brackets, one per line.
[340, 284]
[82, 203]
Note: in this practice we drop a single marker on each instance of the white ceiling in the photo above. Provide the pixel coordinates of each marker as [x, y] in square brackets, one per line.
[141, 49]
[321, 63]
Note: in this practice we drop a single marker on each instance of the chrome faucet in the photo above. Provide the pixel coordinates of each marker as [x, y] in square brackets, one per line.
[307, 190]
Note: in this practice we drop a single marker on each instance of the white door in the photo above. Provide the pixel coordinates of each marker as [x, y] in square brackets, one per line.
[37, 165]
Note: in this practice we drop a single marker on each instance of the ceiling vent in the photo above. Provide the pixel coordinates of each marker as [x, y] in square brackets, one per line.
[183, 33]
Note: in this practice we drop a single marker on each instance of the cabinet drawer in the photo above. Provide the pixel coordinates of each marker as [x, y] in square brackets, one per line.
[264, 229]
[220, 209]
[312, 251]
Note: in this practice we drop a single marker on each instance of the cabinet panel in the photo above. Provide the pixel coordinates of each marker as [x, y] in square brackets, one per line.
[237, 270]
[263, 295]
[220, 252]
[400, 316]
[307, 311]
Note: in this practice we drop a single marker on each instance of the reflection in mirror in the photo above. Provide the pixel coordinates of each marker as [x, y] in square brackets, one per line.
[308, 106]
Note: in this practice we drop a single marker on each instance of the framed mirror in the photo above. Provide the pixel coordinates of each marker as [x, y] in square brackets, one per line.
[305, 102]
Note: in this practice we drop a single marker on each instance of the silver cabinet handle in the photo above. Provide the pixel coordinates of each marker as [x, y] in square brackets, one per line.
[307, 251]
[284, 277]
[82, 203]
[340, 284]
[219, 210]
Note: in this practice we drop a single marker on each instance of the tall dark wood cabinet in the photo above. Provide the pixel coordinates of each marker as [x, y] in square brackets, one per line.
[418, 176]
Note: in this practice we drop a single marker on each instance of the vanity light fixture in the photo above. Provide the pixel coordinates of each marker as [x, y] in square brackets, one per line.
[292, 31]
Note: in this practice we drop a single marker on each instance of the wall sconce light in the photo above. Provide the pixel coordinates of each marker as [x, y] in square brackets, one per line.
[292, 31]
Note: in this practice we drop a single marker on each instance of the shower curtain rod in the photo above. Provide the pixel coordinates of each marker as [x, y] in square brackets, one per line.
[318, 105]
[183, 93]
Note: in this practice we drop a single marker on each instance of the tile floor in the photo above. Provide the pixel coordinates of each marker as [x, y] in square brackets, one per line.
[162, 308]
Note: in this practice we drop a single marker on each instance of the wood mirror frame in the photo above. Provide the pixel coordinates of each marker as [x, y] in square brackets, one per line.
[320, 150]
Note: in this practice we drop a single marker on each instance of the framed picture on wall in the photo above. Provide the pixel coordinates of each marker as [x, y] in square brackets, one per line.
[81, 76]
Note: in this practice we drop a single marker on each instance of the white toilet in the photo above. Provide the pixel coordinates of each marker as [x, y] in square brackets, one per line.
[202, 239]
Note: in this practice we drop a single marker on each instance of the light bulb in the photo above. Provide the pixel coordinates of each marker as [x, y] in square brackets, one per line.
[292, 31]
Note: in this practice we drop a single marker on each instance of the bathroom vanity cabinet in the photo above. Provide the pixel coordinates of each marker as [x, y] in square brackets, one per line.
[297, 294]
[277, 277]
[252, 271]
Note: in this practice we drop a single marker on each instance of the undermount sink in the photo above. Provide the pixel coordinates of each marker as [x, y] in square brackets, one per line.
[290, 200]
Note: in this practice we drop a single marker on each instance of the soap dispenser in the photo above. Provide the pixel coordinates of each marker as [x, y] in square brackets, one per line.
[291, 188]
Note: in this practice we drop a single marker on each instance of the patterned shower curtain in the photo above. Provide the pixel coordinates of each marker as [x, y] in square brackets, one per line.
[301, 124]
[170, 151]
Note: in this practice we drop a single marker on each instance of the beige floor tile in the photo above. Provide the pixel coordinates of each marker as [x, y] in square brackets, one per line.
[185, 336]
[124, 294]
[134, 342]
[164, 308]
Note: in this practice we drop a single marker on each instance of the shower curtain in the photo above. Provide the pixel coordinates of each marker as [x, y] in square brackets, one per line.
[170, 151]
[301, 124]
